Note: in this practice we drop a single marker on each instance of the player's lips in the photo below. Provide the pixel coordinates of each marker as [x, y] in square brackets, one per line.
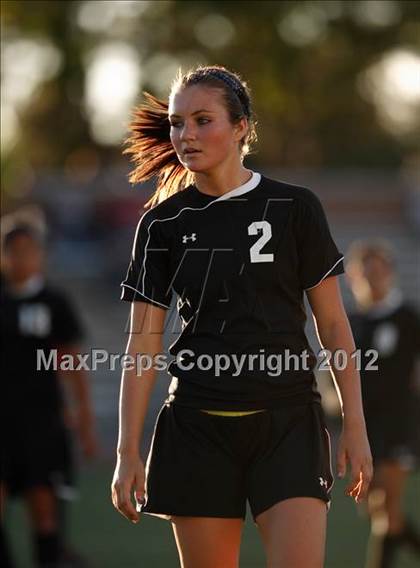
[189, 151]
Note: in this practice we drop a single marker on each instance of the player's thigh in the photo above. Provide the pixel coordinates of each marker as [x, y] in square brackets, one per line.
[41, 503]
[207, 542]
[393, 482]
[391, 478]
[293, 532]
[386, 497]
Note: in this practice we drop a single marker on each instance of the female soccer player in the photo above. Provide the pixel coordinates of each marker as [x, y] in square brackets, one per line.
[390, 327]
[36, 450]
[241, 421]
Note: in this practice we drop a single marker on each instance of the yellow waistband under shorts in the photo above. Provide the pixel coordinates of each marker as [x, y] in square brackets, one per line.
[231, 412]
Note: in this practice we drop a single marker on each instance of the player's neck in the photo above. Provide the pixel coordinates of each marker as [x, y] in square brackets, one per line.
[222, 181]
[378, 296]
[29, 286]
[388, 300]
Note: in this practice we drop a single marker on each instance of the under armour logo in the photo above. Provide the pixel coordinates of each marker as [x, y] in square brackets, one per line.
[193, 238]
[323, 482]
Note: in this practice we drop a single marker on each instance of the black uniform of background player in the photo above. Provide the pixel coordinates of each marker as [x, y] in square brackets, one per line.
[36, 445]
[390, 397]
[239, 265]
[389, 328]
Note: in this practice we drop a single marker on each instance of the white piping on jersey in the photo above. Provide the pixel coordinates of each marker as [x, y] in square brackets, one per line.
[248, 186]
[143, 294]
[326, 274]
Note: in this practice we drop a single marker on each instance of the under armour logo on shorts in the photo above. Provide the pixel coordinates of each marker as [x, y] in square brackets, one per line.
[323, 482]
[193, 238]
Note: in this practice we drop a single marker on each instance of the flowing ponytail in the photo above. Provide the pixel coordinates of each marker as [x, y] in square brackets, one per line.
[152, 150]
[150, 144]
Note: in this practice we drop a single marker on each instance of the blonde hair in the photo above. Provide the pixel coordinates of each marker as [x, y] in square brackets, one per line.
[359, 251]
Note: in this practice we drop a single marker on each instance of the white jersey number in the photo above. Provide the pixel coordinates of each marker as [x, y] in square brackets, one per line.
[254, 251]
[34, 319]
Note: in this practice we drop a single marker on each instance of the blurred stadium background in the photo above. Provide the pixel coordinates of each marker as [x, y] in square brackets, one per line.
[336, 88]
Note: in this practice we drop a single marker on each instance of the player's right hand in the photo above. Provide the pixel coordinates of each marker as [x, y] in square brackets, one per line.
[353, 447]
[128, 475]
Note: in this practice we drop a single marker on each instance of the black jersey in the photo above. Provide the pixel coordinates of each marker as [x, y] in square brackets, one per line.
[392, 329]
[239, 265]
[41, 318]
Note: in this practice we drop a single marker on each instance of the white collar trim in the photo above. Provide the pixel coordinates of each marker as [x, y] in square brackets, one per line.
[31, 287]
[244, 188]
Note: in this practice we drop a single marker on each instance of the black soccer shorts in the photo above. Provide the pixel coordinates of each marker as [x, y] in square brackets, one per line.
[33, 457]
[210, 466]
[394, 436]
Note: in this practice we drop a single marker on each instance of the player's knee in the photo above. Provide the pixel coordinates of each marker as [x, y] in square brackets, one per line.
[395, 522]
[376, 501]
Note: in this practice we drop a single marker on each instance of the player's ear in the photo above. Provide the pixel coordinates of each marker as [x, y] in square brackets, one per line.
[241, 128]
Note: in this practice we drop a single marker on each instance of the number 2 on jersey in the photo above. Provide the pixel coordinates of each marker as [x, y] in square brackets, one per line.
[254, 251]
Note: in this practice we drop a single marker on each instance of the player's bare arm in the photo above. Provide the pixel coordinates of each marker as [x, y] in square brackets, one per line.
[81, 417]
[334, 333]
[146, 329]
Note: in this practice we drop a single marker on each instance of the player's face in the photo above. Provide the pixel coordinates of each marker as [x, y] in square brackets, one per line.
[199, 120]
[370, 279]
[377, 273]
[22, 259]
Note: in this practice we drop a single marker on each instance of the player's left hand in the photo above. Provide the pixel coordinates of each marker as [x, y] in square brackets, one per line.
[353, 447]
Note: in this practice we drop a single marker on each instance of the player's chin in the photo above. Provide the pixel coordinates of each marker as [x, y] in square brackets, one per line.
[195, 165]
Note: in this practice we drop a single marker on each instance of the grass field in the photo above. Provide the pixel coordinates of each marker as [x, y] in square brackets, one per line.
[109, 541]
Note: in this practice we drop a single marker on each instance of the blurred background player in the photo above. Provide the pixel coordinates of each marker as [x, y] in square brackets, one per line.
[38, 413]
[385, 323]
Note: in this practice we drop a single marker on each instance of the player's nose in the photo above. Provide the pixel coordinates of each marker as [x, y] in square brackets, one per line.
[188, 133]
